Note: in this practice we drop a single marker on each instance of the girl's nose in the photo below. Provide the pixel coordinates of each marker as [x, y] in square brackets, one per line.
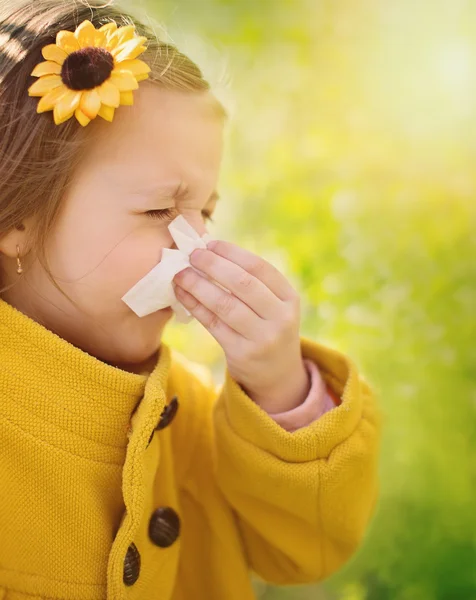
[196, 221]
[197, 224]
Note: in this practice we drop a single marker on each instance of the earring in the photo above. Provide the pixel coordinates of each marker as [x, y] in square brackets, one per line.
[19, 267]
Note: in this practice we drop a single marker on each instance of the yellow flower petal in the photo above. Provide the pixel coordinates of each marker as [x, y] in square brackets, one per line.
[129, 50]
[100, 40]
[109, 94]
[127, 98]
[60, 119]
[109, 46]
[112, 42]
[106, 112]
[68, 103]
[46, 68]
[44, 84]
[50, 99]
[122, 35]
[108, 28]
[136, 52]
[90, 103]
[136, 66]
[85, 34]
[54, 53]
[123, 80]
[67, 41]
[142, 77]
[81, 117]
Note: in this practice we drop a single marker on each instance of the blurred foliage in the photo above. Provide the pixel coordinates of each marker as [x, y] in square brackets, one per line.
[350, 166]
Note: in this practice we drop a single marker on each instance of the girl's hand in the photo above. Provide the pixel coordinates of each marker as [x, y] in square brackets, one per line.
[257, 324]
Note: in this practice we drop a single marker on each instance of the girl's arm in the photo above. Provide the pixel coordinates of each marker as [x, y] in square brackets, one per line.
[302, 499]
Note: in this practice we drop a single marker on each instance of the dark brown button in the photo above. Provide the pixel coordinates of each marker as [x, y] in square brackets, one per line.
[166, 417]
[131, 565]
[164, 526]
[168, 413]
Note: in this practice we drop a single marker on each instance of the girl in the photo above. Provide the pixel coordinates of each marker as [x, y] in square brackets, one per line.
[124, 471]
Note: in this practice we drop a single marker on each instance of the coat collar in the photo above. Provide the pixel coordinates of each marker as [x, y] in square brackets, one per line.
[65, 397]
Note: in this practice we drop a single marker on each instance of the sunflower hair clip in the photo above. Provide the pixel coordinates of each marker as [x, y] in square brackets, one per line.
[89, 72]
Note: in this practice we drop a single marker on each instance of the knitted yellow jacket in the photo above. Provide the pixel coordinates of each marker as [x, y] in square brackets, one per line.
[115, 485]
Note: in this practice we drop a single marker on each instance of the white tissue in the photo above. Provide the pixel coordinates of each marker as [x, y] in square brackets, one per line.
[155, 290]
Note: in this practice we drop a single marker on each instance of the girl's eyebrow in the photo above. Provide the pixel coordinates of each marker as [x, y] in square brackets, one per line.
[214, 196]
[174, 190]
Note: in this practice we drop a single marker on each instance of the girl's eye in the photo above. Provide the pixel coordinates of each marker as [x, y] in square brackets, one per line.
[168, 213]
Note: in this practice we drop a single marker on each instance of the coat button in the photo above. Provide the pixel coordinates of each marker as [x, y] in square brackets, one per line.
[131, 565]
[164, 526]
[168, 413]
[166, 417]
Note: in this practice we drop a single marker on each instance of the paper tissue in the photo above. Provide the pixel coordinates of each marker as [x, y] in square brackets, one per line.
[155, 290]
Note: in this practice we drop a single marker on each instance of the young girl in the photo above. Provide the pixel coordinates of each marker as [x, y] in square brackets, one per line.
[124, 471]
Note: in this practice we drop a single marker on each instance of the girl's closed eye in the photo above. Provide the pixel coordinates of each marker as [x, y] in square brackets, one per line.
[168, 213]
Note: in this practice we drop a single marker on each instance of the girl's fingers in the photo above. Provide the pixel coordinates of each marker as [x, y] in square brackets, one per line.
[224, 335]
[242, 284]
[256, 266]
[227, 307]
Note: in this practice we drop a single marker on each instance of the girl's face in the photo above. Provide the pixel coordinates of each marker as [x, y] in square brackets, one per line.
[164, 152]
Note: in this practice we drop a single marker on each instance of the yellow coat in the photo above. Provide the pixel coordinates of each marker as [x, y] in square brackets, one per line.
[221, 493]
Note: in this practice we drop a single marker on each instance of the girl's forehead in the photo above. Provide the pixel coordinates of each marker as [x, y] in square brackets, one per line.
[158, 111]
[164, 139]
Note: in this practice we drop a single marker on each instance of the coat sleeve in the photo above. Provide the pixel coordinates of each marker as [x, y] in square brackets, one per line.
[319, 400]
[302, 499]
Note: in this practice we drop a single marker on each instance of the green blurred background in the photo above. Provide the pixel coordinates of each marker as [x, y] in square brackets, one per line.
[350, 165]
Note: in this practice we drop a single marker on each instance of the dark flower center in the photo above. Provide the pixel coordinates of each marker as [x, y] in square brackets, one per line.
[87, 68]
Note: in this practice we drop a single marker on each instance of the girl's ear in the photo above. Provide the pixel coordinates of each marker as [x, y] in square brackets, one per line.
[18, 236]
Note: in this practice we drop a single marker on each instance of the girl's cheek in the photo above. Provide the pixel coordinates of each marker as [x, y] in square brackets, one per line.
[136, 259]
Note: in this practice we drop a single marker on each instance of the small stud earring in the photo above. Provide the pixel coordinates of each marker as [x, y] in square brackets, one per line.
[19, 267]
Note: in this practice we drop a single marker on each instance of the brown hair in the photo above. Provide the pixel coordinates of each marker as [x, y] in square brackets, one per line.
[37, 157]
